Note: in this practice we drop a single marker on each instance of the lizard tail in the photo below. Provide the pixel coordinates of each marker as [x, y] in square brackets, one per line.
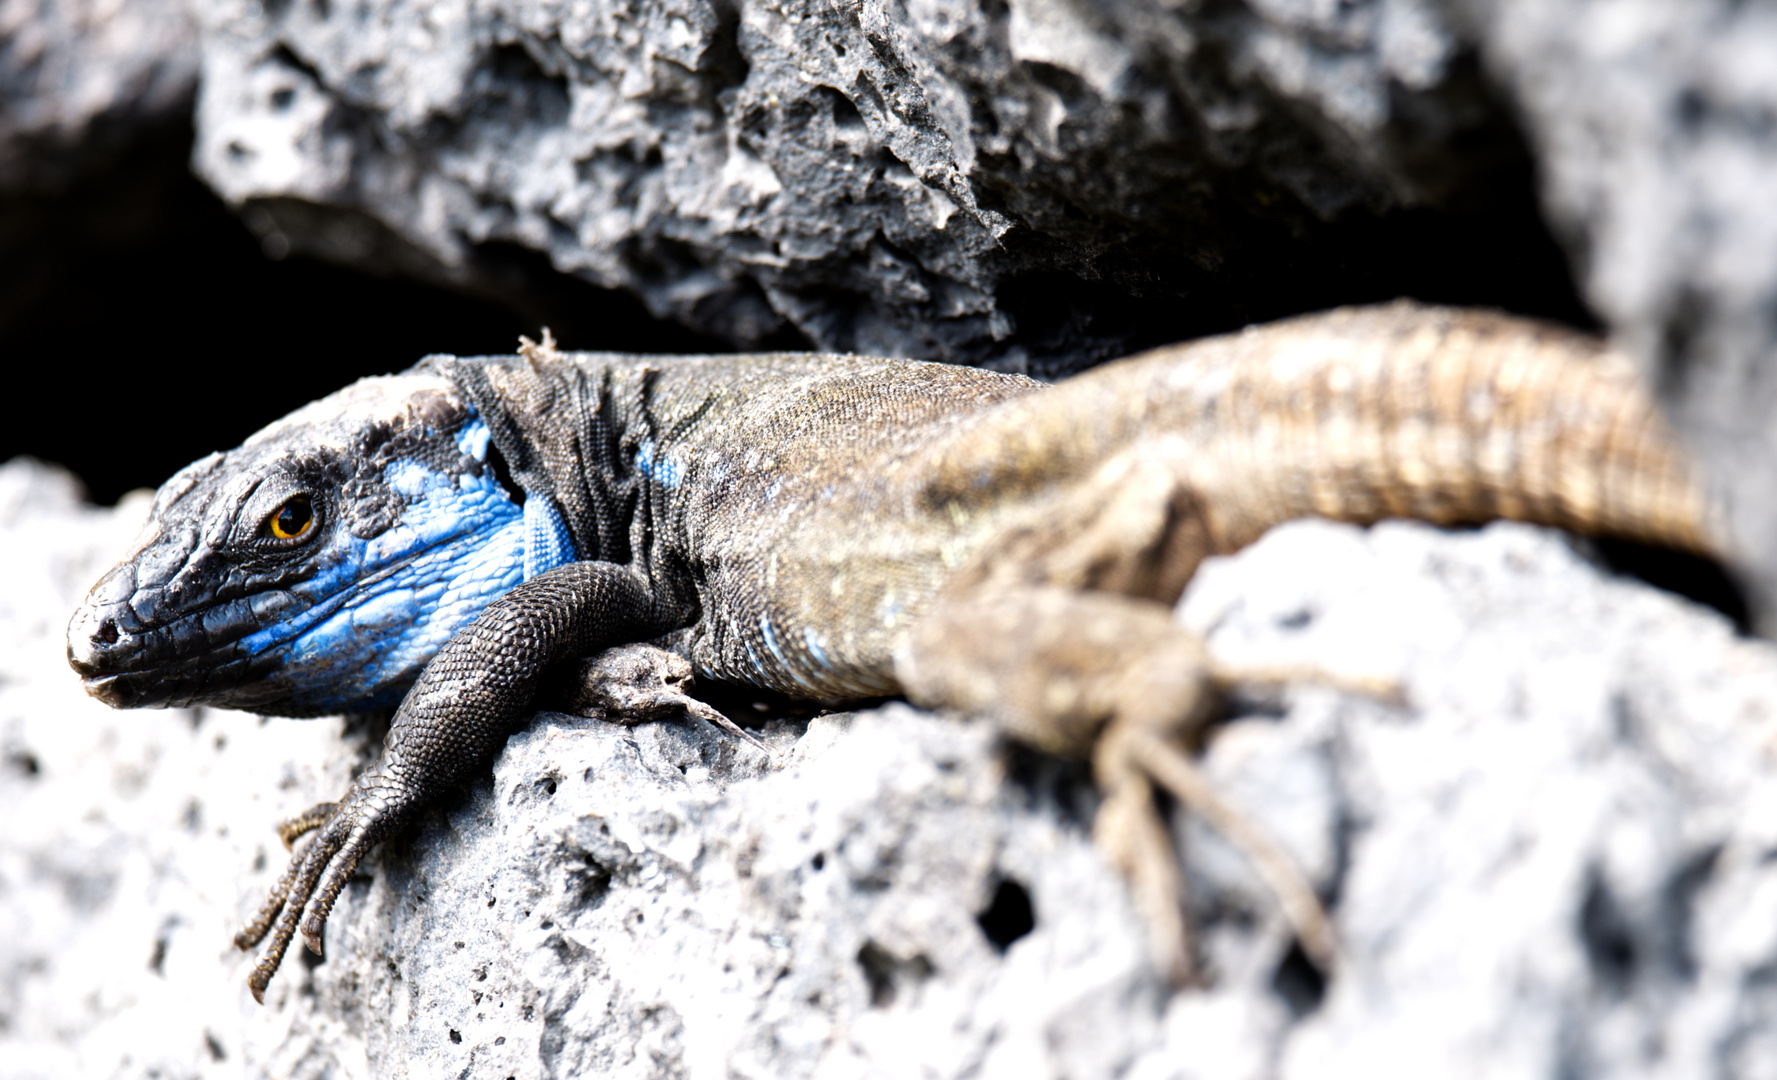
[1361, 414]
[1448, 417]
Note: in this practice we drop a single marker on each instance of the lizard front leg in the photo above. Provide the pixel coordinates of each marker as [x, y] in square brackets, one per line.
[1112, 678]
[454, 720]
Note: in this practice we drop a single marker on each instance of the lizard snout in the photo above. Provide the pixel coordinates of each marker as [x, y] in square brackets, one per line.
[95, 649]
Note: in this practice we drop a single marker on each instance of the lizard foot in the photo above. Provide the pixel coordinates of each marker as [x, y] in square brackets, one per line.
[342, 834]
[1093, 674]
[456, 717]
[633, 684]
[1131, 833]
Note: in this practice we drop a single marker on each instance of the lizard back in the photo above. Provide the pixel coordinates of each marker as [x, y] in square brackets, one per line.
[1125, 477]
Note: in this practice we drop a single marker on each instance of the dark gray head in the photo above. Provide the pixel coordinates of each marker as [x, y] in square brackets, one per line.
[316, 568]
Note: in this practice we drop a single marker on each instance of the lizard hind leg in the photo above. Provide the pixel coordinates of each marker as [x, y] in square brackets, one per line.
[1096, 675]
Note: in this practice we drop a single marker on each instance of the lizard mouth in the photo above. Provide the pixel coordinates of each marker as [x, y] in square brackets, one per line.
[149, 669]
[122, 691]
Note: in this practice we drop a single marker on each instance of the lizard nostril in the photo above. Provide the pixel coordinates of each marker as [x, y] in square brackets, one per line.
[107, 632]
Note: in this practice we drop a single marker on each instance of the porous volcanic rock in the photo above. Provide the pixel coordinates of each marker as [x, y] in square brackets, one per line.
[1547, 857]
[1037, 184]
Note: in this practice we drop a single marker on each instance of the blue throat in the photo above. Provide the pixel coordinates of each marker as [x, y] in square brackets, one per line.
[381, 608]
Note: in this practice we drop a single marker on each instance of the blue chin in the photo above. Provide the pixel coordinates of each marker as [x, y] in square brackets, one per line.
[382, 608]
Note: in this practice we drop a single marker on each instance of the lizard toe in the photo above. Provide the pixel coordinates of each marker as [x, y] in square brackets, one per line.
[286, 902]
[331, 882]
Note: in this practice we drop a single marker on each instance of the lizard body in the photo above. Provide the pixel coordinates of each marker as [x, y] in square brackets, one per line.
[833, 527]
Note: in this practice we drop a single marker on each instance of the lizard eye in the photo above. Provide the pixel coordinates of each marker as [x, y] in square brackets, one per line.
[293, 519]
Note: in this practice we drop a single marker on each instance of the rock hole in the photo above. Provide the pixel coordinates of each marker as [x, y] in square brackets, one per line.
[724, 65]
[1009, 916]
[1296, 620]
[214, 1046]
[879, 973]
[883, 972]
[1298, 982]
[589, 883]
[24, 762]
[281, 100]
[1074, 92]
[157, 960]
[455, 1035]
[846, 116]
[511, 88]
[286, 57]
[1608, 938]
[819, 862]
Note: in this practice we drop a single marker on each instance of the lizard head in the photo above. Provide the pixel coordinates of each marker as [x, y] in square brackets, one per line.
[314, 569]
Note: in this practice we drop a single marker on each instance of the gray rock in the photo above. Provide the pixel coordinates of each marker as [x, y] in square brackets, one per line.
[1551, 860]
[1652, 122]
[81, 79]
[1556, 858]
[889, 177]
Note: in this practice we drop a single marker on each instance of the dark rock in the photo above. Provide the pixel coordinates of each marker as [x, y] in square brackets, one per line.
[82, 80]
[1038, 185]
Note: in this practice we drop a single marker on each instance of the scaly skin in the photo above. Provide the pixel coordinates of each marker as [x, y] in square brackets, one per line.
[838, 527]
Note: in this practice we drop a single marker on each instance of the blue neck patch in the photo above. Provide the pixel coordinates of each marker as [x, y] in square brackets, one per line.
[547, 541]
[380, 609]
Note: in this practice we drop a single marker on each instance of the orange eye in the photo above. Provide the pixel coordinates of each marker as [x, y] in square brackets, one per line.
[293, 519]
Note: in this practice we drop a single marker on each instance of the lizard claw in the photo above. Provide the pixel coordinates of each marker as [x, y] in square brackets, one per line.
[294, 829]
[304, 896]
[1178, 774]
[1128, 760]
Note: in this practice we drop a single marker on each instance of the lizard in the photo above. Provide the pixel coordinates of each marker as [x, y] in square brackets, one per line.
[839, 527]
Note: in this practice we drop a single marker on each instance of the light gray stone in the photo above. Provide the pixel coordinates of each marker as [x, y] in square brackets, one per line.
[1557, 854]
[1551, 859]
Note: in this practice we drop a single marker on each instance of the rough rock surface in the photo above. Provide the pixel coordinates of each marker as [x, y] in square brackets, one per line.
[1553, 860]
[81, 79]
[973, 181]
